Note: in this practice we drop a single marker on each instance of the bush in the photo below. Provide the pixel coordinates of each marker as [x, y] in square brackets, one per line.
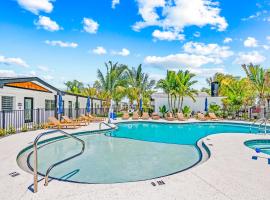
[119, 114]
[2, 132]
[163, 110]
[215, 109]
[186, 111]
[24, 128]
[11, 130]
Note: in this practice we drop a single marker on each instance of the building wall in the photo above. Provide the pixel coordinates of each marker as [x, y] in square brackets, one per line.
[198, 106]
[19, 94]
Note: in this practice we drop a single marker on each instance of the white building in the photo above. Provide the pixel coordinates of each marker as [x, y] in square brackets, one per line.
[31, 100]
[160, 99]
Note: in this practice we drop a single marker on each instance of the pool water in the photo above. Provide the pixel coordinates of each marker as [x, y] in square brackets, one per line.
[135, 151]
[263, 145]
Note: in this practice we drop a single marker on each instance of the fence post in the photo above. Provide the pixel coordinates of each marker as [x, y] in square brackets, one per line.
[38, 116]
[4, 120]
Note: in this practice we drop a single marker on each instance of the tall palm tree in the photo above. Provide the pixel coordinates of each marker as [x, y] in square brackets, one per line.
[108, 82]
[168, 86]
[184, 86]
[260, 79]
[139, 83]
[89, 91]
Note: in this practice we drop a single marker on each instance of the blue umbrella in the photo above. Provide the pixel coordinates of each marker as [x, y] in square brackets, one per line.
[88, 105]
[206, 105]
[60, 105]
[140, 104]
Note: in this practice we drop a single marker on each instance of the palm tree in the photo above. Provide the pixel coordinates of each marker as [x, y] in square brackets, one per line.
[168, 86]
[107, 83]
[184, 84]
[260, 79]
[139, 84]
[89, 91]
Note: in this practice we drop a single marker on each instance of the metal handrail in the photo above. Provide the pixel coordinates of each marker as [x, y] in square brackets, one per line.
[262, 120]
[53, 165]
[107, 124]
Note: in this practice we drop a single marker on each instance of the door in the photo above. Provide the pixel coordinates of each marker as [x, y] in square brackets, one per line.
[28, 109]
[70, 109]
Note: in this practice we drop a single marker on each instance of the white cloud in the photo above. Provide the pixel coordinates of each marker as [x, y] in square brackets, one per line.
[13, 61]
[227, 40]
[178, 14]
[123, 52]
[181, 59]
[206, 72]
[47, 24]
[35, 6]
[32, 73]
[7, 73]
[212, 50]
[61, 43]
[252, 57]
[43, 68]
[114, 3]
[167, 35]
[250, 42]
[89, 25]
[99, 50]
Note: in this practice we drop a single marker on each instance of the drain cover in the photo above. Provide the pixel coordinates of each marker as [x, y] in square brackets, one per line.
[13, 174]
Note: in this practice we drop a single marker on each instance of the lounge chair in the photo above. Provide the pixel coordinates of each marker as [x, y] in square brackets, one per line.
[201, 117]
[96, 119]
[55, 123]
[213, 116]
[75, 122]
[170, 117]
[125, 116]
[180, 117]
[85, 118]
[145, 116]
[135, 116]
[155, 116]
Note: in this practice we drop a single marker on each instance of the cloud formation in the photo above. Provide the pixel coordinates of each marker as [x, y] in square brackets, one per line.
[47, 24]
[13, 61]
[123, 52]
[251, 57]
[35, 6]
[99, 50]
[61, 43]
[90, 26]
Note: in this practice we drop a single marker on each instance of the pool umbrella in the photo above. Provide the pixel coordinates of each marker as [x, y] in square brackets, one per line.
[60, 105]
[110, 111]
[140, 104]
[88, 105]
[206, 105]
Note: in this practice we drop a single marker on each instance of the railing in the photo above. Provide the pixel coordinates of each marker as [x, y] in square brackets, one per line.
[24, 120]
[55, 164]
[107, 124]
[263, 123]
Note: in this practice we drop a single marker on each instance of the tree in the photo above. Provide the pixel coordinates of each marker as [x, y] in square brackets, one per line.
[74, 86]
[184, 85]
[89, 91]
[139, 84]
[108, 82]
[206, 90]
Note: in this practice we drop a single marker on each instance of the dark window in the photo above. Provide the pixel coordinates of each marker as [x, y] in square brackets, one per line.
[7, 103]
[49, 104]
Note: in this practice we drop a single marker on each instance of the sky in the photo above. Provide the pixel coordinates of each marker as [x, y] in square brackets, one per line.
[61, 40]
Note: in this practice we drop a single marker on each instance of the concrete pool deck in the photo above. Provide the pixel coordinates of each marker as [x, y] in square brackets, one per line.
[230, 173]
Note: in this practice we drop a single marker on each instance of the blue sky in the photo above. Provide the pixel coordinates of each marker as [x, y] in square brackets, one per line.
[64, 40]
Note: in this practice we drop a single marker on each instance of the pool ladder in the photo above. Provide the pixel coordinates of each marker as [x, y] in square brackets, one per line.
[261, 126]
[55, 164]
[107, 124]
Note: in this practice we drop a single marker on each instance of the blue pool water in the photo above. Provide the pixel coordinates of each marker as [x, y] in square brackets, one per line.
[263, 145]
[135, 151]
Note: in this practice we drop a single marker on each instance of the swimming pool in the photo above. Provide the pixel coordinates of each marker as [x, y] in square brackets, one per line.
[263, 145]
[133, 152]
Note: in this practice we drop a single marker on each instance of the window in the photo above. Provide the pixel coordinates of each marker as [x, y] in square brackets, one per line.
[7, 103]
[49, 104]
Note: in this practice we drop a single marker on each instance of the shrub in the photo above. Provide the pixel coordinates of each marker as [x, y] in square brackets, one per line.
[24, 128]
[11, 130]
[186, 111]
[215, 109]
[2, 132]
[163, 110]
